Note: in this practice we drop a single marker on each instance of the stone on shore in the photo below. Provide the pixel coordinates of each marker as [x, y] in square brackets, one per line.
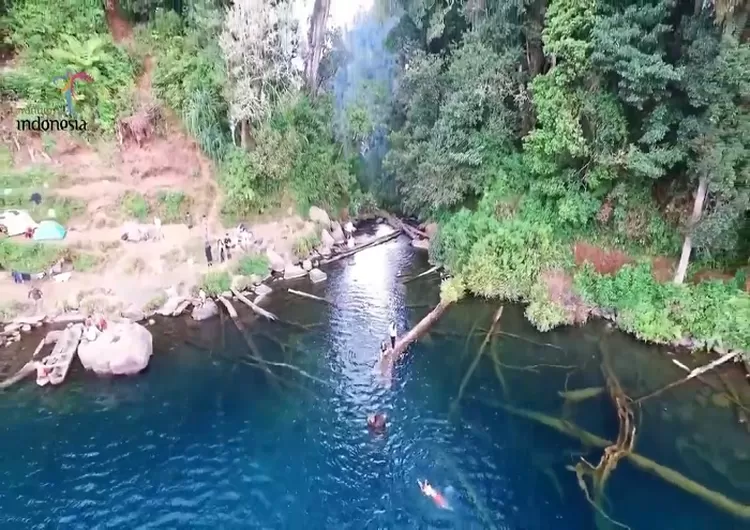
[325, 251]
[431, 229]
[170, 306]
[11, 328]
[424, 244]
[263, 289]
[318, 215]
[124, 348]
[205, 311]
[307, 264]
[293, 271]
[275, 261]
[181, 308]
[134, 313]
[317, 276]
[337, 233]
[326, 238]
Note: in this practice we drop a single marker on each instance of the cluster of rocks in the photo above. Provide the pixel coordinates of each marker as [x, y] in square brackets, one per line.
[12, 331]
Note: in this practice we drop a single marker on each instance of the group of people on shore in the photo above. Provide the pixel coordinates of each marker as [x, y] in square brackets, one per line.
[224, 244]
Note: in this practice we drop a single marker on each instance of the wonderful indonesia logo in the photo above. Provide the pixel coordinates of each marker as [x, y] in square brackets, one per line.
[44, 120]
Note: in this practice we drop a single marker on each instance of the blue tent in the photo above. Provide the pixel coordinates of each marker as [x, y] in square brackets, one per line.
[47, 230]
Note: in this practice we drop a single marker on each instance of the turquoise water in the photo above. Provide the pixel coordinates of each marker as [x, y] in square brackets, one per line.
[207, 439]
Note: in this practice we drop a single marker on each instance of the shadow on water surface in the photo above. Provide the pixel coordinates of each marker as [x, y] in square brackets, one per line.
[207, 437]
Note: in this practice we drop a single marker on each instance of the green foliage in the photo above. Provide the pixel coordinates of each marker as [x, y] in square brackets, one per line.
[712, 312]
[304, 245]
[215, 283]
[294, 157]
[31, 257]
[254, 264]
[135, 205]
[84, 262]
[452, 290]
[48, 49]
[172, 206]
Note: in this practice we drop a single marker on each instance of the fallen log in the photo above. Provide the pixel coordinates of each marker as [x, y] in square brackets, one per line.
[675, 478]
[262, 312]
[418, 330]
[425, 273]
[26, 370]
[310, 296]
[693, 374]
[230, 308]
[395, 222]
[376, 241]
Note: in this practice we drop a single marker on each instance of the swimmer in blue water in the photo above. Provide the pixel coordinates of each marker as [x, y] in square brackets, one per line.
[433, 494]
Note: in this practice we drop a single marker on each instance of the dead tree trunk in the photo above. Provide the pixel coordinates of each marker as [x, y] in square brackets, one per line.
[316, 42]
[687, 246]
[417, 331]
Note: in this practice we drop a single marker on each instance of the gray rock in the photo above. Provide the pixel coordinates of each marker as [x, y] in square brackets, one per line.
[69, 318]
[53, 336]
[205, 311]
[170, 306]
[26, 328]
[293, 271]
[326, 238]
[151, 321]
[307, 264]
[337, 233]
[181, 308]
[431, 229]
[262, 290]
[30, 320]
[325, 251]
[10, 328]
[276, 261]
[423, 244]
[134, 313]
[317, 276]
[124, 348]
[318, 215]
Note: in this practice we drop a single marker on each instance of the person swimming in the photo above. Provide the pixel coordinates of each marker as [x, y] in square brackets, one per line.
[435, 495]
[377, 423]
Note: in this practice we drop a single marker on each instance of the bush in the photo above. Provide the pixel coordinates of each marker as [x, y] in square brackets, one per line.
[173, 206]
[304, 245]
[135, 205]
[256, 264]
[215, 283]
[32, 257]
[712, 312]
[71, 37]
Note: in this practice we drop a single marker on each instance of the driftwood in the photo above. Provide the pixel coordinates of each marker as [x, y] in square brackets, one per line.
[675, 478]
[230, 309]
[581, 394]
[398, 224]
[425, 273]
[26, 370]
[376, 241]
[475, 362]
[262, 312]
[417, 331]
[310, 296]
[693, 374]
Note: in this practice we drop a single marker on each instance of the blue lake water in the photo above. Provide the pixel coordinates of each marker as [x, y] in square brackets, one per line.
[208, 439]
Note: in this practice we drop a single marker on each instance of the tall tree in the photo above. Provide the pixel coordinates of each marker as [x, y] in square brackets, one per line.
[316, 42]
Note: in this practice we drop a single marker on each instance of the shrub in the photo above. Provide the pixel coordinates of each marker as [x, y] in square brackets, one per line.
[452, 290]
[304, 245]
[215, 283]
[173, 206]
[712, 312]
[255, 264]
[32, 257]
[135, 205]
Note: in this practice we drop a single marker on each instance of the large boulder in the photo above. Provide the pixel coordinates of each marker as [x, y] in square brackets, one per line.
[293, 271]
[318, 215]
[307, 264]
[263, 290]
[431, 229]
[276, 261]
[124, 348]
[171, 305]
[205, 311]
[337, 233]
[134, 313]
[317, 276]
[326, 239]
[423, 244]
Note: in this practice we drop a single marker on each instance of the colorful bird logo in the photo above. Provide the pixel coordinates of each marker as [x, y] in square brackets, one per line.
[68, 89]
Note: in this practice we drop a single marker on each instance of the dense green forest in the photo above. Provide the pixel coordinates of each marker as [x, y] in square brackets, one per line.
[522, 127]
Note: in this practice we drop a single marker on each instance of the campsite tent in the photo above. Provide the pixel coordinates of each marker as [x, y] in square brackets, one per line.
[16, 221]
[47, 230]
